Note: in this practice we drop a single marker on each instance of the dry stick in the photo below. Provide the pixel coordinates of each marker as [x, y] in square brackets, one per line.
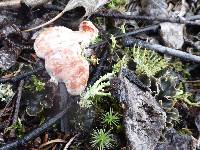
[64, 101]
[22, 76]
[17, 3]
[99, 68]
[70, 142]
[51, 142]
[19, 95]
[193, 18]
[148, 18]
[162, 49]
[151, 28]
[35, 133]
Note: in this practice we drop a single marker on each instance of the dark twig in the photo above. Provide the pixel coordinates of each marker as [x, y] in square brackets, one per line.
[147, 18]
[99, 68]
[7, 105]
[152, 28]
[17, 105]
[134, 79]
[192, 18]
[129, 42]
[64, 101]
[35, 133]
[22, 76]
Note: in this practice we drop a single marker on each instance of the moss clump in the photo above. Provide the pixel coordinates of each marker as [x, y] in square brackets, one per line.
[117, 4]
[147, 62]
[36, 84]
[101, 139]
[97, 89]
[111, 118]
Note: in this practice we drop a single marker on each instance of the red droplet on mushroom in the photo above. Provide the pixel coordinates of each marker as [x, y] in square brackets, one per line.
[89, 28]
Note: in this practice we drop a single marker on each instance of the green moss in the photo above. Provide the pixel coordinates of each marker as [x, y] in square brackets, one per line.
[97, 40]
[36, 85]
[111, 118]
[121, 63]
[186, 98]
[97, 89]
[114, 4]
[147, 62]
[101, 139]
[113, 44]
[18, 127]
[185, 131]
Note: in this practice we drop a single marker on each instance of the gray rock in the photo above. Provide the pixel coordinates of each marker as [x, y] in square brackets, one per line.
[156, 8]
[8, 57]
[172, 34]
[197, 122]
[177, 142]
[144, 119]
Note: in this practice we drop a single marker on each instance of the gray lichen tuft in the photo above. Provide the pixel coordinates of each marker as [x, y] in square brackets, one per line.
[6, 92]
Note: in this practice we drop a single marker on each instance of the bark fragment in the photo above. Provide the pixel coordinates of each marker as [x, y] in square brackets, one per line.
[144, 119]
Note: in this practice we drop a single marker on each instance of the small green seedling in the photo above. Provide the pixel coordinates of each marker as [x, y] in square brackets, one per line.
[97, 89]
[19, 128]
[113, 44]
[97, 40]
[116, 3]
[110, 118]
[121, 63]
[101, 139]
[36, 84]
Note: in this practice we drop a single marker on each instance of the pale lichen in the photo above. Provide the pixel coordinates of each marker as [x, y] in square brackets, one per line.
[148, 62]
[6, 92]
[97, 89]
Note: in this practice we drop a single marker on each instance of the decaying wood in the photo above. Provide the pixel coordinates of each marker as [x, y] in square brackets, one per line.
[162, 49]
[16, 113]
[144, 119]
[35, 3]
[147, 18]
[11, 4]
[36, 132]
[89, 5]
[21, 76]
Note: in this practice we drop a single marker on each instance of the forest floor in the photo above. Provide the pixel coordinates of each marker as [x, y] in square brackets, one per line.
[143, 89]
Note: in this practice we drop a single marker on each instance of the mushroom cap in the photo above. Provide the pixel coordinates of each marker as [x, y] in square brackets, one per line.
[61, 48]
[57, 60]
[77, 78]
[50, 39]
[73, 70]
[89, 28]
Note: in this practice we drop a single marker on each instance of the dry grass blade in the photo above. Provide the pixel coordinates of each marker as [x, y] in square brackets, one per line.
[51, 143]
[70, 142]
